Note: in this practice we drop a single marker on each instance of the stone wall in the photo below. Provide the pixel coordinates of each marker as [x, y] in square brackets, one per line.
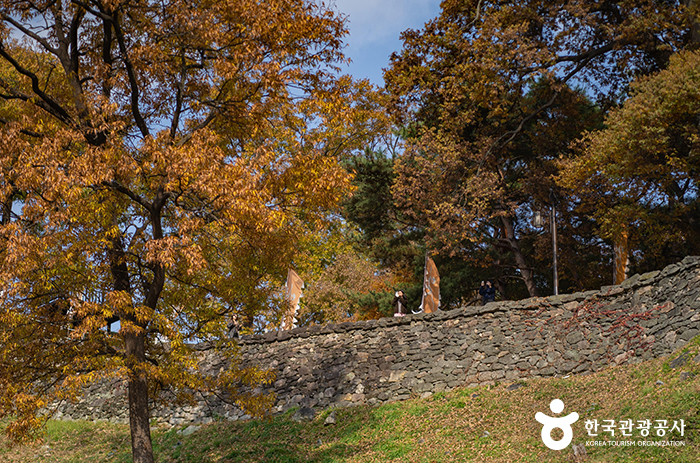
[390, 359]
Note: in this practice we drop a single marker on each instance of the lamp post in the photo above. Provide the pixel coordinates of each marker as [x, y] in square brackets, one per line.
[538, 222]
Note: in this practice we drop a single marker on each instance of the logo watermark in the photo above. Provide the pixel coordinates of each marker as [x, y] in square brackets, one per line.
[550, 423]
[626, 428]
[635, 443]
[623, 428]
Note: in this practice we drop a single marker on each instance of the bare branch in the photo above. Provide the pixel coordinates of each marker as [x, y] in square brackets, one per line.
[133, 83]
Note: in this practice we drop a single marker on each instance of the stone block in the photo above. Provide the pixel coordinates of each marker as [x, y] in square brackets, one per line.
[689, 334]
[574, 337]
[512, 375]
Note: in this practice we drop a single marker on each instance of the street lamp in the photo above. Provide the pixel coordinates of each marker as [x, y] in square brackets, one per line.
[538, 222]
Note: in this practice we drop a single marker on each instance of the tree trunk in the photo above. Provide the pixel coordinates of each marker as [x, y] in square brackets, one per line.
[525, 271]
[135, 350]
[501, 288]
[139, 416]
[248, 321]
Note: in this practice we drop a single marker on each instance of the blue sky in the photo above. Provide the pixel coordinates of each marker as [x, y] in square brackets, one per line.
[375, 26]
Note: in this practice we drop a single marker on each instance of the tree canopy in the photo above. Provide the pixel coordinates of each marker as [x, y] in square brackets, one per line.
[163, 164]
[639, 176]
[492, 94]
[160, 162]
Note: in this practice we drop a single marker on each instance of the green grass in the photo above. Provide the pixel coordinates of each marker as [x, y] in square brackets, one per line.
[485, 424]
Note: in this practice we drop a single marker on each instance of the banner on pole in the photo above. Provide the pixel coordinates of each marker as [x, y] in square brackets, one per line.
[292, 296]
[431, 287]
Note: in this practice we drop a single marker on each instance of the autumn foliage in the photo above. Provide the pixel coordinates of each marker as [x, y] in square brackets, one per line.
[163, 164]
[639, 176]
[159, 163]
[491, 95]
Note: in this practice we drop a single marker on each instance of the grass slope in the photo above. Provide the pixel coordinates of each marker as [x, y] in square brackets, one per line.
[485, 424]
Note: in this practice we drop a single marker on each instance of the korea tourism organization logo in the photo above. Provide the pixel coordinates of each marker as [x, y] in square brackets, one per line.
[624, 429]
[550, 423]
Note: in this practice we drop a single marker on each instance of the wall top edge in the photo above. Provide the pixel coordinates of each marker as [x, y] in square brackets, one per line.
[530, 304]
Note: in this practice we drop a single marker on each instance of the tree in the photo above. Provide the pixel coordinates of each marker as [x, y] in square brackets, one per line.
[349, 288]
[160, 162]
[489, 93]
[384, 234]
[397, 244]
[638, 177]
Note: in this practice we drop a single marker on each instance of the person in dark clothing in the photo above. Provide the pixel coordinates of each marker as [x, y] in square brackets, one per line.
[233, 327]
[487, 292]
[400, 304]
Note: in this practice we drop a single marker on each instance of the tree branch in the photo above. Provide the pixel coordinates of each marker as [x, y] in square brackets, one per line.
[73, 35]
[28, 132]
[46, 102]
[124, 190]
[133, 83]
[100, 14]
[180, 86]
[585, 59]
[44, 43]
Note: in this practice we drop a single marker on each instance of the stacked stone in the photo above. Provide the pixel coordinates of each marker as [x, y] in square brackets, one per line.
[376, 361]
[103, 400]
